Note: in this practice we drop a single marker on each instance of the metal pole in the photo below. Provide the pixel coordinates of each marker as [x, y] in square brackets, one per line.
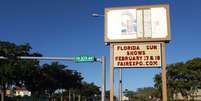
[2, 95]
[47, 58]
[111, 73]
[103, 77]
[42, 58]
[69, 95]
[120, 84]
[1, 90]
[164, 79]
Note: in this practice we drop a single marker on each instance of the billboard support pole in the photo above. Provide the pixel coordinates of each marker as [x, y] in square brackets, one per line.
[120, 84]
[111, 73]
[164, 78]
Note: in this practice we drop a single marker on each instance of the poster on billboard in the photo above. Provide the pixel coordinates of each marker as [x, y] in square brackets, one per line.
[137, 23]
[137, 55]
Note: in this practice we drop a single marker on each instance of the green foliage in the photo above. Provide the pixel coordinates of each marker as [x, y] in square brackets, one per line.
[56, 76]
[39, 79]
[142, 94]
[89, 89]
[184, 78]
[107, 95]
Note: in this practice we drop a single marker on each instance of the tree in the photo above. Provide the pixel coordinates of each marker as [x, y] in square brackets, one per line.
[182, 78]
[158, 85]
[107, 95]
[142, 94]
[39, 79]
[90, 91]
[56, 76]
[11, 69]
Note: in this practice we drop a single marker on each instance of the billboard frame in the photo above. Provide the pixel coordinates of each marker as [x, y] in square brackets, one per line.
[166, 39]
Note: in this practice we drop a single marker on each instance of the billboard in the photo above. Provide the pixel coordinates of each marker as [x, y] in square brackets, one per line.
[137, 55]
[137, 23]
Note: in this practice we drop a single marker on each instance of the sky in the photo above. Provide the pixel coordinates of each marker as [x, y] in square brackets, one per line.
[66, 28]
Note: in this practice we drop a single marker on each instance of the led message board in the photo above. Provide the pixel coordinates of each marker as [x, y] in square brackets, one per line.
[137, 55]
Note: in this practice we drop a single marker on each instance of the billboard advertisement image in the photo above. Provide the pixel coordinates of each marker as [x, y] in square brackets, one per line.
[141, 23]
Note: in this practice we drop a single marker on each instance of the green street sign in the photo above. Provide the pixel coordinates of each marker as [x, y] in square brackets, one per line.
[84, 58]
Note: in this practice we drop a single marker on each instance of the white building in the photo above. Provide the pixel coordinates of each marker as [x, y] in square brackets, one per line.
[124, 98]
[22, 92]
[196, 96]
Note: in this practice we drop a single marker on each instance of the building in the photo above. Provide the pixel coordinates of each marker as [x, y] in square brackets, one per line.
[22, 91]
[196, 96]
[125, 98]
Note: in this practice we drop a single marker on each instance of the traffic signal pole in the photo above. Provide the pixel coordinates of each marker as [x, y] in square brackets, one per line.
[103, 78]
[103, 62]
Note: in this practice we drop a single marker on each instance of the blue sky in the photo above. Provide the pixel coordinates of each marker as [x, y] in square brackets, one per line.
[66, 28]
